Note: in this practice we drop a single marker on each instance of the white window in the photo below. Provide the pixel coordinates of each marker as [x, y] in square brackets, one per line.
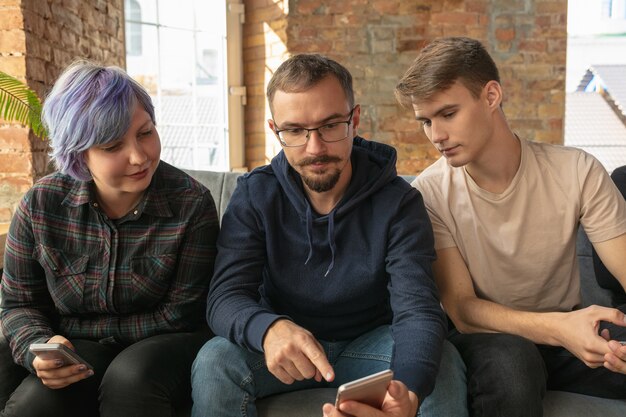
[177, 51]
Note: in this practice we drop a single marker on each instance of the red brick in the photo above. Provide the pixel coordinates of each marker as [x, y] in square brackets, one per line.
[505, 35]
[384, 6]
[16, 162]
[455, 18]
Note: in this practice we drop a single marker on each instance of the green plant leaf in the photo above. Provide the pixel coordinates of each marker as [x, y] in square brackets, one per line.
[21, 104]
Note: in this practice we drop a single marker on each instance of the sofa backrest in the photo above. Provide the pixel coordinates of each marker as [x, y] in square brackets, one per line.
[222, 185]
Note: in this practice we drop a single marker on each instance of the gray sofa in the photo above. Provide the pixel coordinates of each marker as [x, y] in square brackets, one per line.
[308, 403]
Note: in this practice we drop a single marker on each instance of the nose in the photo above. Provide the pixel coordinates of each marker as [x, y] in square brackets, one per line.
[437, 133]
[137, 154]
[315, 145]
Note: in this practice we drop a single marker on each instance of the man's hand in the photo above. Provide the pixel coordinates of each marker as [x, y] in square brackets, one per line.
[578, 333]
[615, 360]
[293, 354]
[52, 372]
[399, 402]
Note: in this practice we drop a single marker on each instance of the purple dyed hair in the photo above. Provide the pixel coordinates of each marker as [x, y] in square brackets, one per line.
[89, 105]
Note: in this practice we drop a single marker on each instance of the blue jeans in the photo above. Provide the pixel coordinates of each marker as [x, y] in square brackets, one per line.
[227, 379]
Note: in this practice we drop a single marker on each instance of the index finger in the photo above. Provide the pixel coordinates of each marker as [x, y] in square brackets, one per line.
[316, 355]
[611, 315]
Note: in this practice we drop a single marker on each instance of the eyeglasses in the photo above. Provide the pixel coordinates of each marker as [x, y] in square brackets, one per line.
[329, 133]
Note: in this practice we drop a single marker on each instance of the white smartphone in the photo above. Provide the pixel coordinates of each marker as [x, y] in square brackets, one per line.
[52, 351]
[369, 390]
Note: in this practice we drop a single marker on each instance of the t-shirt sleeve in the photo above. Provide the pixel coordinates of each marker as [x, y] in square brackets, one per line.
[603, 209]
[437, 208]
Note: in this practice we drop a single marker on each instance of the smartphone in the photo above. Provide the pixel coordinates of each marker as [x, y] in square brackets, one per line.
[49, 351]
[369, 390]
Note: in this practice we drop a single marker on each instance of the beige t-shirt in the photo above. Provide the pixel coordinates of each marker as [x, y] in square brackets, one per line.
[520, 246]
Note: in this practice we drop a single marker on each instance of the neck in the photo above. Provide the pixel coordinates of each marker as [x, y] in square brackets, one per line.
[495, 169]
[324, 202]
[118, 205]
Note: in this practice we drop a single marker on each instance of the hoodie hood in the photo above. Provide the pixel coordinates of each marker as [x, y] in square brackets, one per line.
[373, 166]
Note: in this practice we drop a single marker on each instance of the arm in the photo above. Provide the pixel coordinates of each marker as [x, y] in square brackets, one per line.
[27, 312]
[577, 331]
[419, 325]
[611, 252]
[233, 308]
[181, 309]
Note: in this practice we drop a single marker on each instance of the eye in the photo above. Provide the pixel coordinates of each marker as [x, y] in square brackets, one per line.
[112, 147]
[426, 123]
[449, 115]
[145, 133]
[330, 126]
[295, 131]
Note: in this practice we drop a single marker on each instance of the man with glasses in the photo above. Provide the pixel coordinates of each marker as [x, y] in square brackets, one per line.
[323, 272]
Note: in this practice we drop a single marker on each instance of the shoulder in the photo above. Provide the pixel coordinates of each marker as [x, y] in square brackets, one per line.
[172, 181]
[433, 177]
[52, 187]
[565, 161]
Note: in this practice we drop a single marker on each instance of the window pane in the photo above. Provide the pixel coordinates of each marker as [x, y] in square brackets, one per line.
[183, 68]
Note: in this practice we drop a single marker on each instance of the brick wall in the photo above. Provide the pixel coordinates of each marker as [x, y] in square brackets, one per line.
[38, 38]
[377, 39]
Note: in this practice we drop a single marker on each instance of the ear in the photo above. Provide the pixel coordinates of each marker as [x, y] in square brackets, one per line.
[272, 125]
[356, 118]
[493, 94]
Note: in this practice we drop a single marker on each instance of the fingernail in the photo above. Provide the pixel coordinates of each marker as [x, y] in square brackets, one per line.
[82, 368]
[90, 373]
[328, 375]
[58, 362]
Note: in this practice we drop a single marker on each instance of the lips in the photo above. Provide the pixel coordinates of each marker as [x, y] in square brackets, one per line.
[140, 174]
[449, 150]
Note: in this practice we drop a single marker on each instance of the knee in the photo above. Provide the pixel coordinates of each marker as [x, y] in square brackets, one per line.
[215, 360]
[508, 361]
[515, 358]
[126, 376]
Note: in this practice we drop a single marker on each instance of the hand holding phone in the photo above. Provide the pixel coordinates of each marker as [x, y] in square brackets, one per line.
[58, 351]
[370, 390]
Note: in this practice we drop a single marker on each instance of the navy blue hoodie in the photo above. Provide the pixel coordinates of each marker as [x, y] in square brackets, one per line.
[367, 263]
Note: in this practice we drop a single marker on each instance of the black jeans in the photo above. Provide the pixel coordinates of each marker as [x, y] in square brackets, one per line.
[508, 375]
[148, 378]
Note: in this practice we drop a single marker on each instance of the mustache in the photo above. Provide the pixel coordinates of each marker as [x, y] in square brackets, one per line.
[318, 159]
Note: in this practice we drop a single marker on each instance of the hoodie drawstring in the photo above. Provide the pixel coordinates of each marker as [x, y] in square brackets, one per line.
[331, 240]
[309, 232]
[331, 237]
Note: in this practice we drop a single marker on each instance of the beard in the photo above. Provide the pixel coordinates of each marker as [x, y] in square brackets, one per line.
[323, 181]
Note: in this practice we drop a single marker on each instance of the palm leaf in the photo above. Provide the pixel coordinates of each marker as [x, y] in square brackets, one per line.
[21, 104]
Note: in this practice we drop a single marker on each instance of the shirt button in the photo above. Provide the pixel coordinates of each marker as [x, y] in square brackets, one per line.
[135, 212]
[95, 204]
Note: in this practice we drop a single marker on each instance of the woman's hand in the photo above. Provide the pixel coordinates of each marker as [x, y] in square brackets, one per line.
[54, 374]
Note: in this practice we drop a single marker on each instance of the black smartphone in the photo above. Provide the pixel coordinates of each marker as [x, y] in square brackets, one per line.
[370, 390]
[54, 351]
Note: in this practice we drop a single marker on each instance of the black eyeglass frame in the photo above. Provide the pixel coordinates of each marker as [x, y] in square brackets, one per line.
[308, 132]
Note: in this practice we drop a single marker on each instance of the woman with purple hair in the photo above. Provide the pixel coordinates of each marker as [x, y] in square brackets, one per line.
[110, 256]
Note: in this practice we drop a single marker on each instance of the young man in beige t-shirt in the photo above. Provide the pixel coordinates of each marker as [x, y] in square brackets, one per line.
[505, 212]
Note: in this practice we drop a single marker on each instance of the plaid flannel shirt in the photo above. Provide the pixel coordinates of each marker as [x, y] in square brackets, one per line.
[70, 270]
